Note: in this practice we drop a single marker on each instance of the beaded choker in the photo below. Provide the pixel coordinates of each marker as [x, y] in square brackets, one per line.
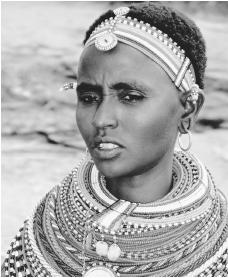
[79, 228]
[107, 236]
[147, 39]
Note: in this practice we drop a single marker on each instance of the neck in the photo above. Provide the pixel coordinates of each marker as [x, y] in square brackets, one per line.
[146, 187]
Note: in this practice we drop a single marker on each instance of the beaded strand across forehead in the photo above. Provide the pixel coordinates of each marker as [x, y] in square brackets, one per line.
[147, 39]
[108, 40]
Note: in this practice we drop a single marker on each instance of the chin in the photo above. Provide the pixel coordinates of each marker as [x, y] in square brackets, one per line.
[116, 168]
[111, 169]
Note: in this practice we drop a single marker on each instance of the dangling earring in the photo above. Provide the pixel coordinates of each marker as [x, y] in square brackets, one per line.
[88, 156]
[185, 149]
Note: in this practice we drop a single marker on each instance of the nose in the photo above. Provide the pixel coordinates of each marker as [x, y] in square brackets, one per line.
[105, 115]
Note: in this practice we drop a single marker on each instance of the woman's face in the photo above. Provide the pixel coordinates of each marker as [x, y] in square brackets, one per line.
[128, 110]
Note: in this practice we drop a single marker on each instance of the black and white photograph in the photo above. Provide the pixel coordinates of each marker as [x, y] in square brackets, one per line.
[114, 121]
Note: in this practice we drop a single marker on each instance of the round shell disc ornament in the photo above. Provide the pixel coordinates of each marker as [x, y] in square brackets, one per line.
[106, 41]
[99, 271]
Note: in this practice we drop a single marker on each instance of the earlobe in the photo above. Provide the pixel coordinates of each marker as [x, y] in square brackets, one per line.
[185, 125]
[188, 117]
[193, 102]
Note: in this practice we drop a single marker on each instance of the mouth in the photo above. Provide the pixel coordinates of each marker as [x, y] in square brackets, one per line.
[107, 146]
[107, 150]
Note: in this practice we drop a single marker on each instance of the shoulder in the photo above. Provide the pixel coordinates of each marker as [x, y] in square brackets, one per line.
[32, 251]
[23, 257]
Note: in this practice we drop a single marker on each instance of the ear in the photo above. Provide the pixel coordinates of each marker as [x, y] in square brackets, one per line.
[191, 110]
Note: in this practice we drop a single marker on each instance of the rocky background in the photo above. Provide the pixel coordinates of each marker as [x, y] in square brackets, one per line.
[41, 44]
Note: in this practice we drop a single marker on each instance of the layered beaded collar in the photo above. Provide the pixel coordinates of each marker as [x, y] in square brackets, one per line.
[69, 233]
[117, 237]
[190, 198]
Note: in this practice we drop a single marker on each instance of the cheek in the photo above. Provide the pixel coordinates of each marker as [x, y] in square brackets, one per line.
[83, 120]
[155, 125]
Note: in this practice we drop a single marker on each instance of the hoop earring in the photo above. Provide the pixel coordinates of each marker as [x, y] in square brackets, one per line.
[185, 149]
[88, 156]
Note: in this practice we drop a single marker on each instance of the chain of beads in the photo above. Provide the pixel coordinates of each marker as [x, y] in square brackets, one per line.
[75, 210]
[142, 248]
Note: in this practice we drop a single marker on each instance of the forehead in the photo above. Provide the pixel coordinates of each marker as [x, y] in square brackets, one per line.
[119, 64]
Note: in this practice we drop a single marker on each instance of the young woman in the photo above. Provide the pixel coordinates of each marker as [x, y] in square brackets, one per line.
[134, 206]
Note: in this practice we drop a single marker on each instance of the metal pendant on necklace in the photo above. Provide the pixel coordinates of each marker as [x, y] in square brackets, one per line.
[112, 252]
[100, 271]
[101, 248]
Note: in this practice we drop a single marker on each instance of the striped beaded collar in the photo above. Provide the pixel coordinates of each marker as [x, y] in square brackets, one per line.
[79, 232]
[191, 197]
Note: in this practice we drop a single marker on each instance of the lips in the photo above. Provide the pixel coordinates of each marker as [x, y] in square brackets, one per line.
[105, 142]
[106, 148]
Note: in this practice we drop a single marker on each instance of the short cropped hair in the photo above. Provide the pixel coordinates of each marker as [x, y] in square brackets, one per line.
[176, 25]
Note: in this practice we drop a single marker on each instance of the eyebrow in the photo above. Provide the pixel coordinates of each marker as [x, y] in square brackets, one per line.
[85, 87]
[129, 86]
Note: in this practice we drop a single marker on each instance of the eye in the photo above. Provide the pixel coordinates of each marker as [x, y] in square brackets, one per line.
[88, 98]
[131, 97]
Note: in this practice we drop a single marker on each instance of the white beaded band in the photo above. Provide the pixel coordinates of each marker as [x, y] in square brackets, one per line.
[36, 249]
[210, 261]
[147, 39]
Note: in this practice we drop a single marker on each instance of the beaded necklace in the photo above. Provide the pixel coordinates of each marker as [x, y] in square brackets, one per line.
[79, 228]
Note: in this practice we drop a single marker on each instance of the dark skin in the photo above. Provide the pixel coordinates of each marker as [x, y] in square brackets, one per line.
[127, 99]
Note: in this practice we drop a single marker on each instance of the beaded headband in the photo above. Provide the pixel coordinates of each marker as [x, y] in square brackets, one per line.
[149, 40]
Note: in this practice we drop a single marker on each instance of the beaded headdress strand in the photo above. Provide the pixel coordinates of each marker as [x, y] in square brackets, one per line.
[150, 41]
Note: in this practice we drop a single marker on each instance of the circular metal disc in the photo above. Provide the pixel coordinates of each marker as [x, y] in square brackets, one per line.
[99, 271]
[106, 41]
